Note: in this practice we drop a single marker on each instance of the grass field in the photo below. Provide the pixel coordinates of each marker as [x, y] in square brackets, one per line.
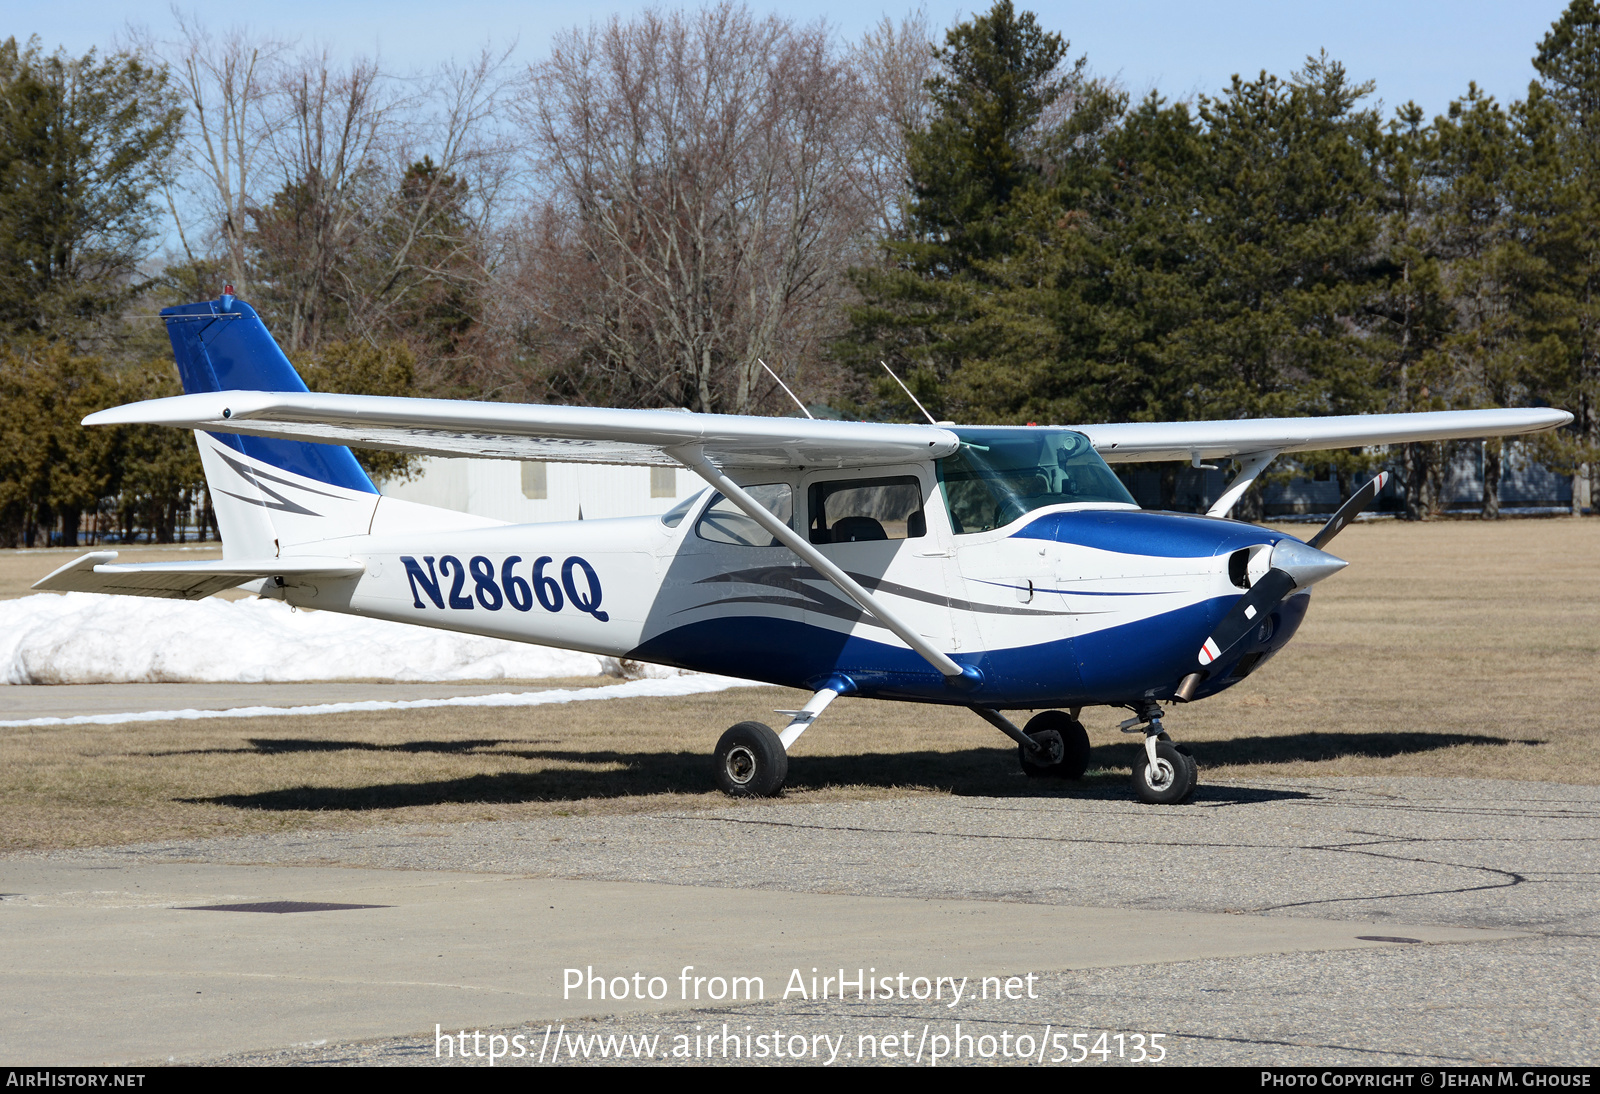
[1447, 649]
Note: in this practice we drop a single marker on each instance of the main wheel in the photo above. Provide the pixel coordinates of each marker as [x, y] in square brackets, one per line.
[750, 761]
[1172, 781]
[1066, 746]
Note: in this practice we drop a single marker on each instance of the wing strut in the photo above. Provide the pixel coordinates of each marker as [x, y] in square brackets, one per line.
[694, 459]
[1250, 467]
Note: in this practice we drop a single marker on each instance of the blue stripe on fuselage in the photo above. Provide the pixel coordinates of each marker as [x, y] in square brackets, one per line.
[1116, 665]
[1161, 535]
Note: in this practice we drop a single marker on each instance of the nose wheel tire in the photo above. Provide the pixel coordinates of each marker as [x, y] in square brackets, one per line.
[1065, 747]
[1171, 782]
[751, 761]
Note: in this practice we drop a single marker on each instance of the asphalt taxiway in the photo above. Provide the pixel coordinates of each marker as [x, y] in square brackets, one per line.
[1334, 921]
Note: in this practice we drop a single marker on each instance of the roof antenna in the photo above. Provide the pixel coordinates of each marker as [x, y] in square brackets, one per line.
[907, 390]
[785, 387]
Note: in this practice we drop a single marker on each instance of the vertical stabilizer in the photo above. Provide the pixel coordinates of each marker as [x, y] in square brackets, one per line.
[268, 494]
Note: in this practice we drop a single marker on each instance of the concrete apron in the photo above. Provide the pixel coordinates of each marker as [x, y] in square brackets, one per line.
[103, 964]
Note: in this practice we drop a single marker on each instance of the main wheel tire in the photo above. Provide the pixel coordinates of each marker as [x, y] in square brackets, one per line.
[751, 761]
[1070, 760]
[1171, 783]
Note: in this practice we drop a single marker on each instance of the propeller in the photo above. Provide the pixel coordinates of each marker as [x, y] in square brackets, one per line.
[1350, 510]
[1293, 565]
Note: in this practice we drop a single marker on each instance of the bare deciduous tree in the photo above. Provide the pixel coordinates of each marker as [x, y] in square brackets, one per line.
[227, 84]
[434, 240]
[326, 152]
[347, 202]
[701, 202]
[893, 63]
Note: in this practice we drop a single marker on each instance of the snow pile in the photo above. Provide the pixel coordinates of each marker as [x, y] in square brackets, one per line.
[92, 638]
[689, 684]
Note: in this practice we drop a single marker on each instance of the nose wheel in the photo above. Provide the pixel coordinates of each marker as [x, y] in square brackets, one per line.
[1165, 773]
[1169, 780]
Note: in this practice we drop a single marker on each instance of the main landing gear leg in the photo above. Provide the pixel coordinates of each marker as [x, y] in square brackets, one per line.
[1054, 744]
[1166, 774]
[752, 761]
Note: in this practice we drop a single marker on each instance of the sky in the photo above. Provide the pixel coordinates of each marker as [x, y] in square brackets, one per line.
[1426, 51]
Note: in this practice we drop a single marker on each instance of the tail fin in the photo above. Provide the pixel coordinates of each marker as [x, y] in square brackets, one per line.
[267, 493]
[222, 345]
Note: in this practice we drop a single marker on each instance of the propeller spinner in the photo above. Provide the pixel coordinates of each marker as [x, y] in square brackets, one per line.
[1293, 566]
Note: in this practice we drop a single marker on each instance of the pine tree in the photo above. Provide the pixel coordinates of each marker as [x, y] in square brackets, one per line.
[1556, 193]
[1288, 219]
[980, 155]
[1485, 265]
[83, 143]
[1001, 72]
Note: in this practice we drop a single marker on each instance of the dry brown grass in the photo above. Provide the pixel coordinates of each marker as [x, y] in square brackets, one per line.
[1454, 649]
[1458, 649]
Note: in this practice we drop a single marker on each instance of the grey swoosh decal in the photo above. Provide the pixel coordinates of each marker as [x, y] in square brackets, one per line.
[785, 577]
[836, 609]
[1079, 592]
[284, 505]
[252, 473]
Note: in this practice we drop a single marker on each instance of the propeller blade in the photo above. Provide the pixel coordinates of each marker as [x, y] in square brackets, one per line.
[1294, 565]
[1247, 614]
[1349, 510]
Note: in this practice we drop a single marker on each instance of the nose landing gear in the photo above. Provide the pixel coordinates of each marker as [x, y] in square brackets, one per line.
[1166, 773]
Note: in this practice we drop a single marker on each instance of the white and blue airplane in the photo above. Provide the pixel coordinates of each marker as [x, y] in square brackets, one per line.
[995, 568]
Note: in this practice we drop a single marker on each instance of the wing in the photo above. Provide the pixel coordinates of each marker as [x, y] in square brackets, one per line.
[568, 434]
[523, 431]
[1144, 442]
[100, 573]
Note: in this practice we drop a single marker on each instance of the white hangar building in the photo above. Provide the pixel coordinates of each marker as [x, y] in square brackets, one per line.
[536, 493]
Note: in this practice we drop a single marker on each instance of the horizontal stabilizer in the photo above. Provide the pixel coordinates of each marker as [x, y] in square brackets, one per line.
[99, 573]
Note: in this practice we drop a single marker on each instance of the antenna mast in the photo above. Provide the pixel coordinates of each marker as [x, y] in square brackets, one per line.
[907, 390]
[785, 387]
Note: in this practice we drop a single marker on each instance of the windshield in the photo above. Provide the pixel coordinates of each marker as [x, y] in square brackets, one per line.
[1000, 473]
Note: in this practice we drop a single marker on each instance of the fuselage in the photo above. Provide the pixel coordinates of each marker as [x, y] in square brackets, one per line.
[1060, 591]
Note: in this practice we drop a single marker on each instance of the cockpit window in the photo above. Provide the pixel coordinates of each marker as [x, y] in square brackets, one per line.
[725, 522]
[999, 474]
[854, 510]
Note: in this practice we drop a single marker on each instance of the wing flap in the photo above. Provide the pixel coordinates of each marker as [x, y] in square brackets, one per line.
[523, 431]
[98, 572]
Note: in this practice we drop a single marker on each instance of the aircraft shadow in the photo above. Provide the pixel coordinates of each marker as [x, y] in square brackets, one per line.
[989, 772]
[609, 774]
[1311, 747]
[282, 746]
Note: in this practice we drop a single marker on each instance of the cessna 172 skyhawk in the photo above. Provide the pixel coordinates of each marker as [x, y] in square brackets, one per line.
[996, 568]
